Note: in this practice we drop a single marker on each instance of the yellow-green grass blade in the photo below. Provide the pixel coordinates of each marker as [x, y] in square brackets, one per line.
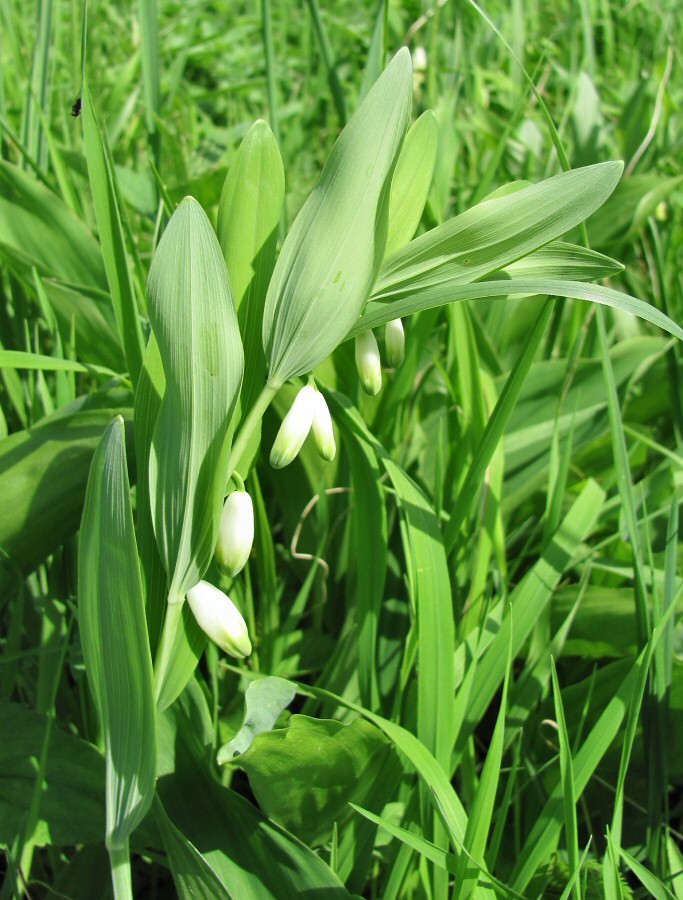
[104, 193]
[114, 638]
[411, 181]
[195, 326]
[248, 220]
[331, 256]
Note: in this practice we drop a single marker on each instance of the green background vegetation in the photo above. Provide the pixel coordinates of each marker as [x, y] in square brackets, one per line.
[530, 569]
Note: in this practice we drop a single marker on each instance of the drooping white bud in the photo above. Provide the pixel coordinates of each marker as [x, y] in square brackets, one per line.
[294, 429]
[419, 59]
[235, 533]
[220, 619]
[322, 429]
[395, 343]
[368, 362]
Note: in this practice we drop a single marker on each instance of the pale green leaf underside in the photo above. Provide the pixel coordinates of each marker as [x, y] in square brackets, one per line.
[195, 326]
[333, 251]
[114, 637]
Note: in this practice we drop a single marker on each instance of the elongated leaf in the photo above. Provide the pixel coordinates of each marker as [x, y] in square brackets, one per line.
[411, 300]
[411, 181]
[114, 637]
[195, 326]
[567, 262]
[497, 232]
[103, 186]
[333, 251]
[248, 219]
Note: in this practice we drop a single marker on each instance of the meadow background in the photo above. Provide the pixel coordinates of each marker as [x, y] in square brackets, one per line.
[526, 564]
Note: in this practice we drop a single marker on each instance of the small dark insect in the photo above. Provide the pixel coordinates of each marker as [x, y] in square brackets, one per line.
[76, 108]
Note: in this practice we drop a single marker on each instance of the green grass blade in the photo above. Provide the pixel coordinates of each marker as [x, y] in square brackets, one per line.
[149, 52]
[103, 187]
[567, 782]
[495, 428]
[114, 638]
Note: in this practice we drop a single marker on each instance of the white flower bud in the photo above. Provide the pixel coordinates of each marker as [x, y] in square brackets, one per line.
[368, 362]
[419, 59]
[235, 533]
[220, 619]
[294, 429]
[322, 429]
[394, 342]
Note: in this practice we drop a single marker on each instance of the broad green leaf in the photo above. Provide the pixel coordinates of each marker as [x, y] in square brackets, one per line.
[497, 232]
[248, 220]
[196, 329]
[114, 638]
[103, 187]
[74, 781]
[43, 476]
[304, 775]
[37, 226]
[264, 701]
[253, 858]
[332, 254]
[411, 181]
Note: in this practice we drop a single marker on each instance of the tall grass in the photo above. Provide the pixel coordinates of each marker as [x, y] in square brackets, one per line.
[458, 667]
